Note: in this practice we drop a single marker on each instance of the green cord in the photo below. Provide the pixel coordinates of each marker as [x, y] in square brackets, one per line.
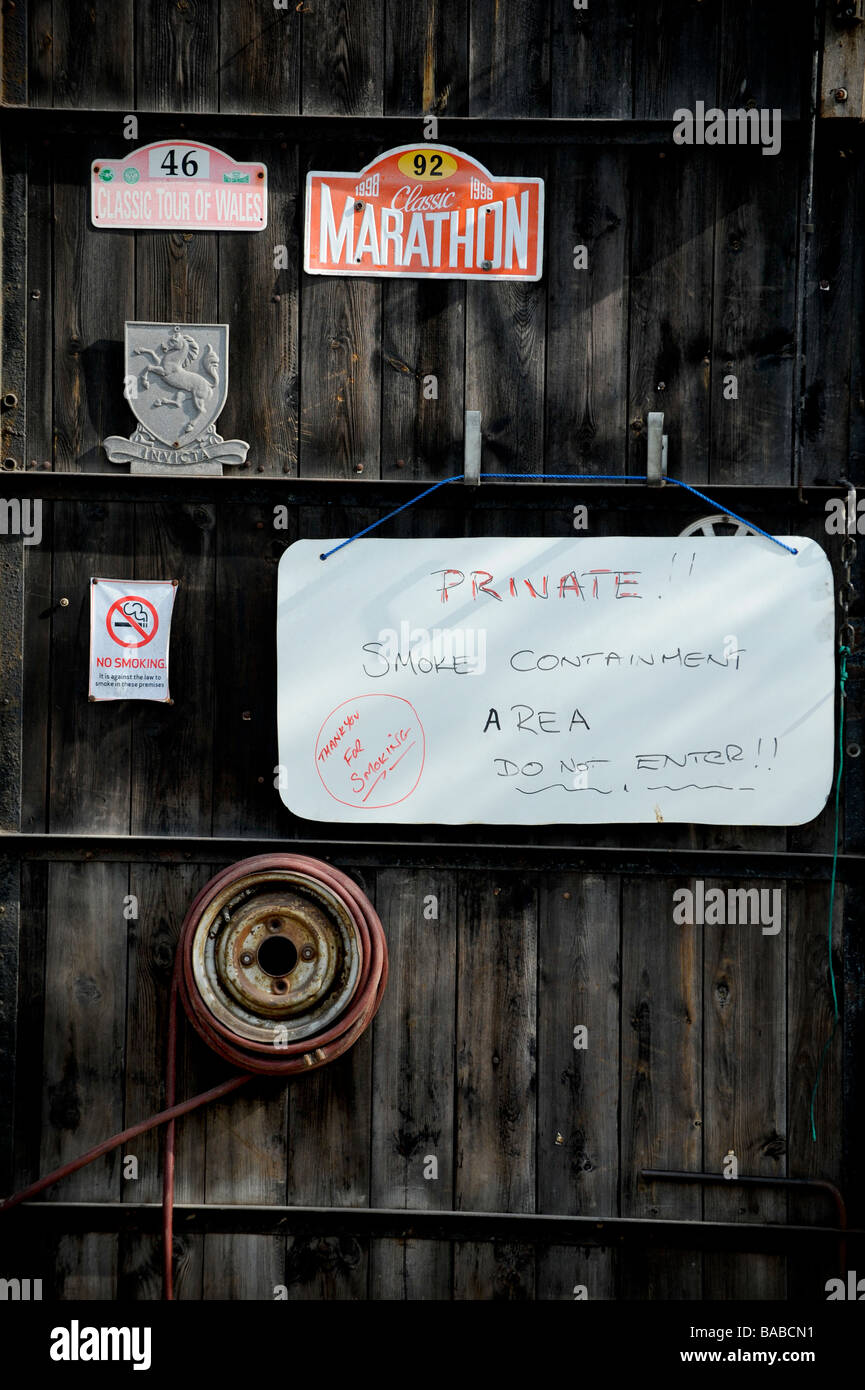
[844, 652]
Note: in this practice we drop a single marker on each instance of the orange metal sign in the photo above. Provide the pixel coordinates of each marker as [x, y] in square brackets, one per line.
[426, 212]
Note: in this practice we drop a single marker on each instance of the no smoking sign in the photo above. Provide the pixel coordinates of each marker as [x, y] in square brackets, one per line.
[133, 621]
[130, 625]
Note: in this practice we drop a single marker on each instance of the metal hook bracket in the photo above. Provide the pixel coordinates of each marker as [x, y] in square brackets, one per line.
[656, 450]
[472, 449]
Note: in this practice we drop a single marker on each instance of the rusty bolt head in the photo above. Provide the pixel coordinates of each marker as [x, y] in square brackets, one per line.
[64, 603]
[35, 294]
[307, 953]
[824, 284]
[246, 958]
[358, 207]
[841, 93]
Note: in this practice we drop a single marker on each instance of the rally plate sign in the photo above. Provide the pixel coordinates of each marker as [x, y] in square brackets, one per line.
[425, 213]
[178, 186]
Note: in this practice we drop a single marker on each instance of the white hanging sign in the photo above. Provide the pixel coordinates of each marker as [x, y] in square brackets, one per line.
[528, 681]
[130, 626]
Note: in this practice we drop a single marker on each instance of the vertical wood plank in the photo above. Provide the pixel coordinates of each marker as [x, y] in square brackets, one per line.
[92, 50]
[810, 1016]
[764, 54]
[259, 60]
[90, 742]
[509, 59]
[744, 1087]
[40, 66]
[592, 53]
[85, 1000]
[246, 1162]
[340, 392]
[675, 56]
[177, 55]
[505, 362]
[245, 800]
[661, 1113]
[330, 1112]
[496, 1097]
[413, 1078]
[423, 379]
[93, 296]
[587, 324]
[343, 64]
[578, 1087]
[426, 55]
[160, 895]
[172, 744]
[670, 307]
[830, 314]
[754, 317]
[260, 304]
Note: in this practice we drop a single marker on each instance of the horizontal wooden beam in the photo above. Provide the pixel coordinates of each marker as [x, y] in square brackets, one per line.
[474, 850]
[384, 1223]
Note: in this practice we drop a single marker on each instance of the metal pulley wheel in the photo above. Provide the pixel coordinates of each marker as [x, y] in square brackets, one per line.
[282, 963]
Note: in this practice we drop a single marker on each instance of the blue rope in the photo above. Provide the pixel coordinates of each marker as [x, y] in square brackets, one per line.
[844, 652]
[557, 477]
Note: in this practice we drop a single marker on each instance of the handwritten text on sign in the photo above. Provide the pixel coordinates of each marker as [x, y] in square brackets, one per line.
[527, 681]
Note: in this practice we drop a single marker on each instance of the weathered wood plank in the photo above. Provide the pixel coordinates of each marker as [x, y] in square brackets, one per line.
[340, 389]
[172, 744]
[37, 453]
[592, 54]
[830, 311]
[496, 1096]
[90, 741]
[177, 55]
[764, 54]
[754, 317]
[260, 303]
[413, 1078]
[93, 296]
[246, 799]
[505, 361]
[675, 56]
[343, 62]
[661, 1101]
[586, 380]
[578, 1086]
[40, 74]
[744, 1084]
[810, 1017]
[426, 57]
[92, 50]
[85, 1000]
[159, 896]
[670, 307]
[509, 59]
[330, 1114]
[423, 379]
[259, 59]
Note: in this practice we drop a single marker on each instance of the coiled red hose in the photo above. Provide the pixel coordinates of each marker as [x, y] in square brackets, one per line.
[254, 1058]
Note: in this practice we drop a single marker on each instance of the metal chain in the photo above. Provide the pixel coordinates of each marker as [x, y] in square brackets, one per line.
[847, 592]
